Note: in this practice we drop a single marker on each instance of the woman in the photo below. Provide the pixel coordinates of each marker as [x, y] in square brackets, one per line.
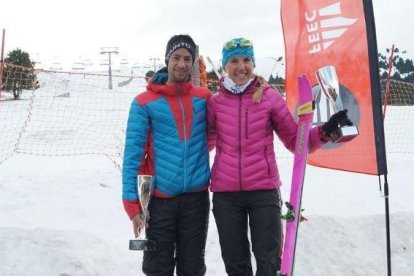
[245, 179]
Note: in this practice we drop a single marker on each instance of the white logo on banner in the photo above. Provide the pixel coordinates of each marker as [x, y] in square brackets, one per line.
[325, 26]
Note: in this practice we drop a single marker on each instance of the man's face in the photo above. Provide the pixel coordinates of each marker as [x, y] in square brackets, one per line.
[179, 66]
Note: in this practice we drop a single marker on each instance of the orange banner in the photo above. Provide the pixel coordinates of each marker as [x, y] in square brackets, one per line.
[322, 33]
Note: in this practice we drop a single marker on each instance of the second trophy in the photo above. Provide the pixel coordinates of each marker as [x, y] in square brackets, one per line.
[329, 84]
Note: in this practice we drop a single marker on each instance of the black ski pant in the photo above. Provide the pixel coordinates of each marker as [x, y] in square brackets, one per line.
[234, 212]
[179, 227]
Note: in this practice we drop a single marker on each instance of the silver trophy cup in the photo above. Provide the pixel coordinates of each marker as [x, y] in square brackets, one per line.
[329, 84]
[145, 185]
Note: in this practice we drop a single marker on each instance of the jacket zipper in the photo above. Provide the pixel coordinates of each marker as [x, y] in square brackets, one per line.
[267, 161]
[240, 140]
[185, 135]
[246, 123]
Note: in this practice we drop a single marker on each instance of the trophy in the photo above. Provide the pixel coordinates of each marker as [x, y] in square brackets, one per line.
[145, 185]
[329, 84]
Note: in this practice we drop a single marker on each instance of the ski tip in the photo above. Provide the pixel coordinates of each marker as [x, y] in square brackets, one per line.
[305, 89]
[303, 80]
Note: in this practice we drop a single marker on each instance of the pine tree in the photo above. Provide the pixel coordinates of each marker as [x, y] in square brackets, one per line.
[276, 80]
[403, 68]
[18, 74]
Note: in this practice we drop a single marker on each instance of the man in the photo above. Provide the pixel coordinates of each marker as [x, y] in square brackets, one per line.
[166, 136]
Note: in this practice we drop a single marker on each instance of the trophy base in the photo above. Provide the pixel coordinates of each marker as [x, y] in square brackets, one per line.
[143, 245]
[344, 134]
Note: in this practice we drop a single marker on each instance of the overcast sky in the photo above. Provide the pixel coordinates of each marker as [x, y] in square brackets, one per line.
[73, 30]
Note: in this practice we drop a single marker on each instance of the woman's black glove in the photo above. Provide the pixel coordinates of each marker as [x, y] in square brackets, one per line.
[337, 120]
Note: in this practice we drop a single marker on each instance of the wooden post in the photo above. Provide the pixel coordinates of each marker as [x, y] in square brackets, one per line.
[195, 71]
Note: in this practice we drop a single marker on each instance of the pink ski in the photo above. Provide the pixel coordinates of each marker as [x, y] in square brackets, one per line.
[305, 114]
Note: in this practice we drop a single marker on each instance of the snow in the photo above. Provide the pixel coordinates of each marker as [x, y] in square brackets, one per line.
[64, 216]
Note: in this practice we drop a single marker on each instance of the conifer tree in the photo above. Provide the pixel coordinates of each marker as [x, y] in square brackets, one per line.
[18, 74]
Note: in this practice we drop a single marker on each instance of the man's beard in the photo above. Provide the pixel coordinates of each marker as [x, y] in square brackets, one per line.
[181, 78]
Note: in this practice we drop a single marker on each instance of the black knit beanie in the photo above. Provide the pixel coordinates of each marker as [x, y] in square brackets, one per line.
[177, 42]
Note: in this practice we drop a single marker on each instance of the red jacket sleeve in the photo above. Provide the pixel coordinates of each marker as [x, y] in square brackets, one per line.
[132, 208]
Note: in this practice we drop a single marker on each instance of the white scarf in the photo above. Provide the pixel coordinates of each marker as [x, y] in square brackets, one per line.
[231, 86]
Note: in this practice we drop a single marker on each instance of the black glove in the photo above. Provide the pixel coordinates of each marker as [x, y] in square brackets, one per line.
[338, 119]
[161, 76]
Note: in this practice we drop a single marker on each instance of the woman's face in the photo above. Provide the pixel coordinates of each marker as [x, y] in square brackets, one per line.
[240, 69]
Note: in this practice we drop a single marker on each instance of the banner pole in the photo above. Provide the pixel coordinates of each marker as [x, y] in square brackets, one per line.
[387, 225]
[378, 120]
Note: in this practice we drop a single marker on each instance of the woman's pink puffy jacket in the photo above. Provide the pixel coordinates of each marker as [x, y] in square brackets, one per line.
[245, 159]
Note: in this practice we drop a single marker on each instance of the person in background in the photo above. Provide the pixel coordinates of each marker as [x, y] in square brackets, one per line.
[166, 136]
[245, 181]
[149, 75]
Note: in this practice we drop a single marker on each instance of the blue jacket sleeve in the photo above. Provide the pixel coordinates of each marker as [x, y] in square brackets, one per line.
[136, 138]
